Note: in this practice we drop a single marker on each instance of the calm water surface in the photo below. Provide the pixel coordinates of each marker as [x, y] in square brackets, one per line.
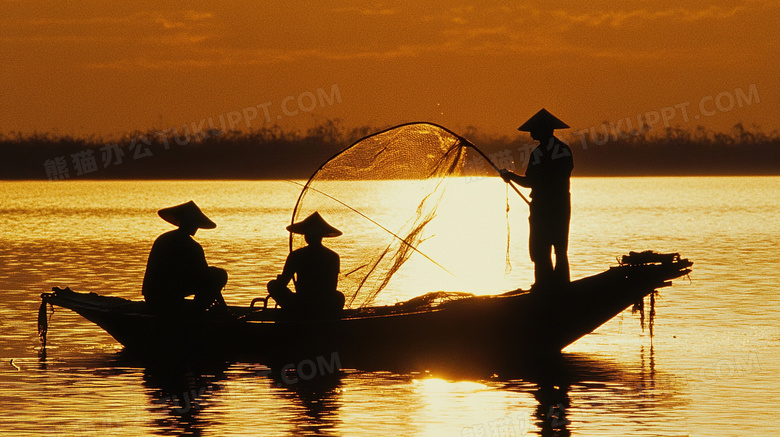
[710, 369]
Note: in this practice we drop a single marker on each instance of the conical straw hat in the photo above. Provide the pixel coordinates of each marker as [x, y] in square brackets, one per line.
[542, 121]
[188, 213]
[314, 225]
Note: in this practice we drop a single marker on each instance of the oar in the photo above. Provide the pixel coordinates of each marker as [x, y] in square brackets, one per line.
[495, 167]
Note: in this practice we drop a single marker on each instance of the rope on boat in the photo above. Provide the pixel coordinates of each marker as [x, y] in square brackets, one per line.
[652, 313]
[43, 322]
[650, 258]
[44, 317]
[640, 307]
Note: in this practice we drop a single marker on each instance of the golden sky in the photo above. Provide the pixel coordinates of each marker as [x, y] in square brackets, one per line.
[104, 67]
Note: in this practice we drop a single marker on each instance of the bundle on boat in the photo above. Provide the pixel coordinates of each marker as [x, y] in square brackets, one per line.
[648, 257]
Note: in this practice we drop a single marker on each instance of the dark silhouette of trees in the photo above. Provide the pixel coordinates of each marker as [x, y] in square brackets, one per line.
[272, 153]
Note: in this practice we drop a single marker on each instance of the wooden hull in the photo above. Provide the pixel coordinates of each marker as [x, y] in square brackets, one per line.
[476, 330]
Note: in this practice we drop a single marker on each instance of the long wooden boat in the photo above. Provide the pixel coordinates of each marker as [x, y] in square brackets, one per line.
[434, 328]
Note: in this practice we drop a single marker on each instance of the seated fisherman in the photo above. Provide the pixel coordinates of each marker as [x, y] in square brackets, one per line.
[177, 266]
[315, 268]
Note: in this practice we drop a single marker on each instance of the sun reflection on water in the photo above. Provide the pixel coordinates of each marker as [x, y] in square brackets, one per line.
[715, 342]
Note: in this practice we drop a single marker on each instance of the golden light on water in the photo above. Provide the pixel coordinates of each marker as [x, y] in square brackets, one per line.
[463, 248]
[468, 237]
[97, 69]
[713, 346]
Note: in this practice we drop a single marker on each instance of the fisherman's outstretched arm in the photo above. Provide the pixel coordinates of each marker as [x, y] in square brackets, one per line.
[508, 176]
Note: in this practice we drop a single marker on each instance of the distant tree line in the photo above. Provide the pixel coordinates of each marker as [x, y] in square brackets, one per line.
[601, 151]
[272, 153]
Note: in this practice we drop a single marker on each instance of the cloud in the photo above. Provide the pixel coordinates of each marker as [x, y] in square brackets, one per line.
[237, 58]
[139, 25]
[368, 11]
[141, 40]
[642, 16]
[584, 31]
[177, 18]
[203, 39]
[181, 19]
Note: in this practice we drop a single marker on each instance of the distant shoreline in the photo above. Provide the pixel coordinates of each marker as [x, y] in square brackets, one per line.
[271, 154]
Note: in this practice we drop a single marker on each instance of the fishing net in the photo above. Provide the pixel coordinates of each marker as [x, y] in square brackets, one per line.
[393, 194]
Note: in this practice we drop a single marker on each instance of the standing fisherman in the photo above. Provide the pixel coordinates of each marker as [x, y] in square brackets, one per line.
[547, 175]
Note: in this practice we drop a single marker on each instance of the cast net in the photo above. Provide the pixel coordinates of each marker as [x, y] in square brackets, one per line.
[411, 201]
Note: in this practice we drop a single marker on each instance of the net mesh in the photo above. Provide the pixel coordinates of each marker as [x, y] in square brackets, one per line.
[385, 193]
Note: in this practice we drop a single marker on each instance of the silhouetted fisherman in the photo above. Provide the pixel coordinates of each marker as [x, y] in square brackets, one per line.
[177, 266]
[316, 271]
[547, 175]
